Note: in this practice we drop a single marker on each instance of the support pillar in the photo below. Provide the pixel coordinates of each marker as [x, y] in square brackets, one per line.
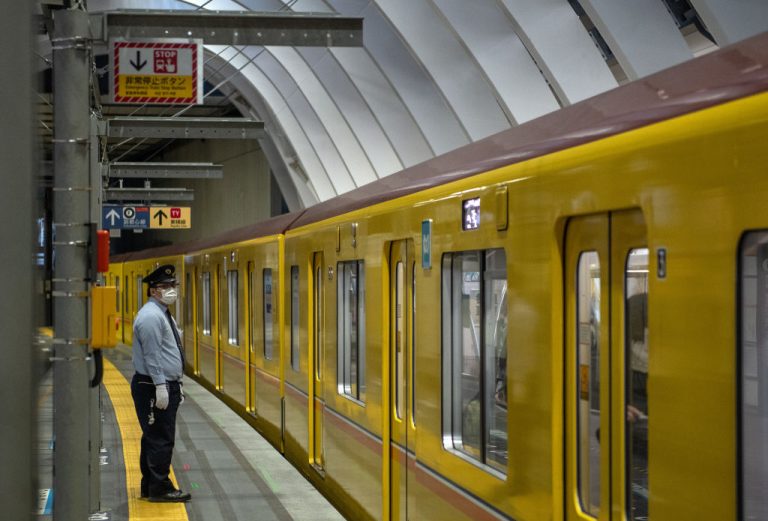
[18, 467]
[71, 228]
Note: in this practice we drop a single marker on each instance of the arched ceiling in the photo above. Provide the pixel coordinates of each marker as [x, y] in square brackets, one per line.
[433, 75]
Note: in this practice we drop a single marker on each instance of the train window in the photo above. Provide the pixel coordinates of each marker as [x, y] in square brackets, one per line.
[753, 374]
[250, 298]
[588, 381]
[474, 332]
[350, 297]
[636, 345]
[207, 303]
[139, 293]
[317, 318]
[188, 298]
[177, 313]
[233, 326]
[295, 317]
[268, 307]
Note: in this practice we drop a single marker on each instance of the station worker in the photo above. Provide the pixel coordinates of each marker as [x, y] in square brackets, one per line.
[158, 359]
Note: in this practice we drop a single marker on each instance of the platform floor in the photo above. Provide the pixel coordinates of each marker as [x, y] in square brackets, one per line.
[230, 470]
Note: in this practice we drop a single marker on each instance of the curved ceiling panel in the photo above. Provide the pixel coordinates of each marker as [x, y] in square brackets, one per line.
[556, 39]
[387, 106]
[488, 33]
[450, 66]
[298, 192]
[641, 34]
[433, 75]
[729, 21]
[357, 113]
[357, 165]
[419, 93]
[316, 132]
[273, 84]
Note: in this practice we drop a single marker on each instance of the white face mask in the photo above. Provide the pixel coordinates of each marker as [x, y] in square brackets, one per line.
[168, 296]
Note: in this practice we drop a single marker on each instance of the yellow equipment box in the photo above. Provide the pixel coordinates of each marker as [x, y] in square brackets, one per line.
[103, 316]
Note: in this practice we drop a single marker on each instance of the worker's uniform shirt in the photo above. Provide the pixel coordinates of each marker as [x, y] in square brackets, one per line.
[155, 352]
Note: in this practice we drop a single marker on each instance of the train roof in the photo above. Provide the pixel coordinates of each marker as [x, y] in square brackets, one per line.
[272, 226]
[724, 75]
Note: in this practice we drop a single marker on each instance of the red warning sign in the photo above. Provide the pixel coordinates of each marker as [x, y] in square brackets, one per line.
[157, 71]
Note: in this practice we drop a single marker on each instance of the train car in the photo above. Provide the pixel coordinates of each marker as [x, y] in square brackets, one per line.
[562, 321]
[231, 301]
[114, 277]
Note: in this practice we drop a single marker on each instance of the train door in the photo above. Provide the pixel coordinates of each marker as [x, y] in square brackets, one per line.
[317, 358]
[206, 321]
[402, 427]
[190, 324]
[606, 361]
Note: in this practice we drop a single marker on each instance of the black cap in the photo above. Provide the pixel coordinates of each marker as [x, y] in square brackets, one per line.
[163, 274]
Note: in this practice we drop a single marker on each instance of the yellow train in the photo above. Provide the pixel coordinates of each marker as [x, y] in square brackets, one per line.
[567, 320]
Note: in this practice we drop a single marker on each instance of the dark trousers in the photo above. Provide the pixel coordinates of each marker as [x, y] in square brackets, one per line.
[158, 429]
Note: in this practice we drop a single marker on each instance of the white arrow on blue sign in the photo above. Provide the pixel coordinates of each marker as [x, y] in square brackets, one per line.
[111, 217]
[124, 217]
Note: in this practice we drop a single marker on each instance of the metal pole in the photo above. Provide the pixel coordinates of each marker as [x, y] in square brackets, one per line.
[95, 408]
[17, 407]
[71, 225]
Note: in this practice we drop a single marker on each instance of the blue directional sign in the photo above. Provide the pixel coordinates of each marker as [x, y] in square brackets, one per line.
[124, 217]
[426, 244]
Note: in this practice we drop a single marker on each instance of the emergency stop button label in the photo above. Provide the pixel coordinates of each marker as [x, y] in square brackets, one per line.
[157, 71]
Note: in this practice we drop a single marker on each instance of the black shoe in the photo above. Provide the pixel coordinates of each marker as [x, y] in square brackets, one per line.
[174, 496]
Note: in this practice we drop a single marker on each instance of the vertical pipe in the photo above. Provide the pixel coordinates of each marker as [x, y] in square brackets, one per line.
[71, 72]
[95, 397]
[17, 427]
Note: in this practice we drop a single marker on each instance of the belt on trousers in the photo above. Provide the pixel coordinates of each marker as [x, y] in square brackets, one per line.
[146, 379]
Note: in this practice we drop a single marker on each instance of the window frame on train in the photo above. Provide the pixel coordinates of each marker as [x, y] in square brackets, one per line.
[490, 360]
[233, 307]
[294, 308]
[350, 337]
[752, 376]
[206, 290]
[117, 293]
[188, 319]
[139, 292]
[268, 309]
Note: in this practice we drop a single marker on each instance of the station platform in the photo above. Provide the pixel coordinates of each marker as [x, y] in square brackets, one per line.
[230, 470]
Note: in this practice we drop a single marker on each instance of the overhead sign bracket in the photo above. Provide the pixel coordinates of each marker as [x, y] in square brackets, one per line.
[231, 27]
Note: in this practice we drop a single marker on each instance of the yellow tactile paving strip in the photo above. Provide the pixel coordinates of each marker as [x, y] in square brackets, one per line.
[138, 510]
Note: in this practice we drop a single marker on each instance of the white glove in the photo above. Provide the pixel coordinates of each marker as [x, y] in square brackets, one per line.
[161, 396]
[181, 390]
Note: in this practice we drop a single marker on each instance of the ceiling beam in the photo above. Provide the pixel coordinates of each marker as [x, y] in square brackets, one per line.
[231, 27]
[185, 128]
[128, 170]
[148, 194]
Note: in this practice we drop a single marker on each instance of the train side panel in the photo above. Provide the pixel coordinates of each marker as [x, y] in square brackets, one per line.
[497, 376]
[114, 277]
[262, 278]
[339, 437]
